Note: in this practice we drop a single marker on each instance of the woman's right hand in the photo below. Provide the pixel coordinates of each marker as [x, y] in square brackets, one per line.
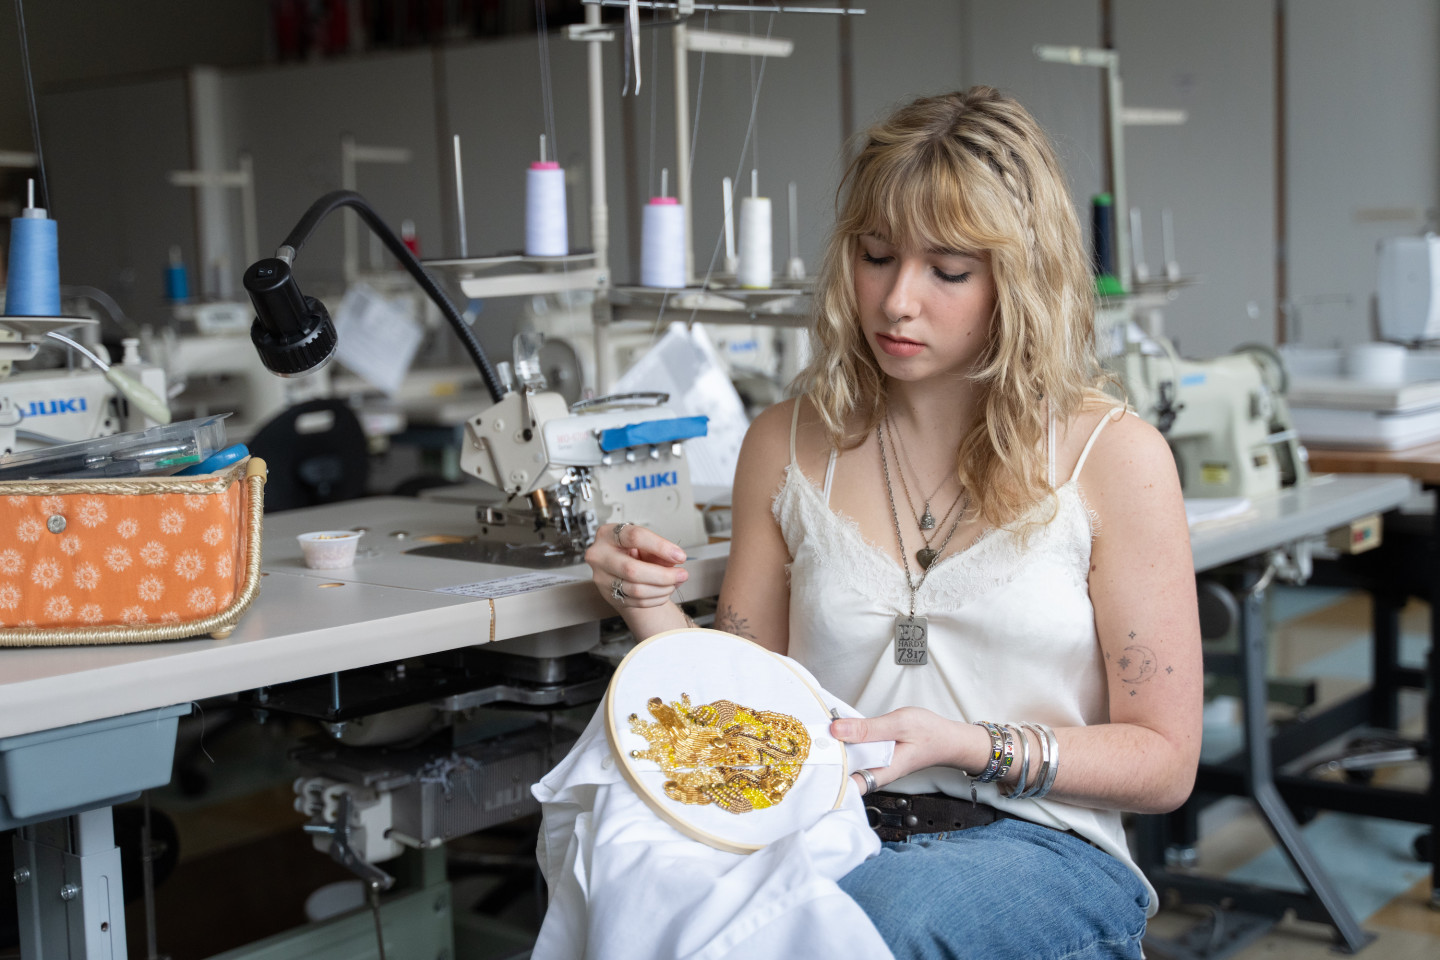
[635, 567]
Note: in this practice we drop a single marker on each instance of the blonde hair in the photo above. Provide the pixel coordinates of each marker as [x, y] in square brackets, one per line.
[966, 171]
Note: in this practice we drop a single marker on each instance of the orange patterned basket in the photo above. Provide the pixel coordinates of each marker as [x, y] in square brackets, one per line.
[129, 560]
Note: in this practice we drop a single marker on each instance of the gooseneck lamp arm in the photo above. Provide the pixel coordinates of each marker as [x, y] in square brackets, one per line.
[293, 333]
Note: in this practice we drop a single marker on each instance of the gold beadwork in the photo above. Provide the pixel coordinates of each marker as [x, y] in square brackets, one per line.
[736, 757]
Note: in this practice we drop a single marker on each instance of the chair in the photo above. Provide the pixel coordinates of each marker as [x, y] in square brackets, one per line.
[317, 453]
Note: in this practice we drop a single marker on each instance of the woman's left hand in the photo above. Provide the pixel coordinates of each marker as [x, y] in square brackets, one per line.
[922, 738]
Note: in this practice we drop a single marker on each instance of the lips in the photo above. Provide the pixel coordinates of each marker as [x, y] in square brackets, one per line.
[898, 346]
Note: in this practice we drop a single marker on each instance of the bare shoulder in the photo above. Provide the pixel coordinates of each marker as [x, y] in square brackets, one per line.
[1130, 471]
[767, 443]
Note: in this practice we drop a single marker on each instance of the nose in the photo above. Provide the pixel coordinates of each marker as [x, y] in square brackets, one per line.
[902, 300]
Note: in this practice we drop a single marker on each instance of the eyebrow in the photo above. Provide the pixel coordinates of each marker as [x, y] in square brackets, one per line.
[967, 254]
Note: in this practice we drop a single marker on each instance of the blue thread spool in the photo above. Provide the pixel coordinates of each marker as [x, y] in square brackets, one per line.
[177, 281]
[33, 288]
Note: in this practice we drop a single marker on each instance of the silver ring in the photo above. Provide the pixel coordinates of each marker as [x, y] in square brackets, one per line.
[618, 528]
[870, 785]
[617, 591]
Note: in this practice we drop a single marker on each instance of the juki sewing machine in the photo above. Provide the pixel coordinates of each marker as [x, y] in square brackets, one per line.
[42, 407]
[1226, 419]
[568, 470]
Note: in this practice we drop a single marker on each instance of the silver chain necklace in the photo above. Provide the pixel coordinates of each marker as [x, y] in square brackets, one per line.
[912, 633]
[926, 520]
[925, 555]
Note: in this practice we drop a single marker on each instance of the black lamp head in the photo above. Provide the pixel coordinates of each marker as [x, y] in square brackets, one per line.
[292, 332]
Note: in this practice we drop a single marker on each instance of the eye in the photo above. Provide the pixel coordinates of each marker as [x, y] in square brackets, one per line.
[952, 277]
[878, 261]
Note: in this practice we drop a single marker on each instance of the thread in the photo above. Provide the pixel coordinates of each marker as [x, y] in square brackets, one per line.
[732, 262]
[34, 284]
[177, 281]
[756, 268]
[547, 233]
[662, 244]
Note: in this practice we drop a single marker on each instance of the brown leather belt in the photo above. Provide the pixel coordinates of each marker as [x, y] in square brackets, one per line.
[895, 816]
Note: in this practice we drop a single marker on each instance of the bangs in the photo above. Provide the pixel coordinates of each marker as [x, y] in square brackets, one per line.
[920, 201]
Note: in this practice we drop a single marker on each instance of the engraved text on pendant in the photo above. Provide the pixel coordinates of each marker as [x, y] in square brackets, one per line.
[911, 635]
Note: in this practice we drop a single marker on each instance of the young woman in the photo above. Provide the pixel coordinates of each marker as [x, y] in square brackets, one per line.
[956, 531]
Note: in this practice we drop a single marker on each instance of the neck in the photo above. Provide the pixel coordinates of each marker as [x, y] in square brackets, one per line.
[934, 414]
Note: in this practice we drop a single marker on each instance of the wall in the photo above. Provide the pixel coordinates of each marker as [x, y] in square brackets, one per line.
[83, 41]
[1362, 129]
[1216, 172]
[1364, 152]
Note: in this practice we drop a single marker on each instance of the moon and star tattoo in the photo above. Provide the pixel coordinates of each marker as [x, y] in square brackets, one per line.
[1137, 664]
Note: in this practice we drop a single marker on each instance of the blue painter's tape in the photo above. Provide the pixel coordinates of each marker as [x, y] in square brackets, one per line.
[1192, 380]
[652, 432]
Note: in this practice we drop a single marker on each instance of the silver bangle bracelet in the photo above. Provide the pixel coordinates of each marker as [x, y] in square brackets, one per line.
[1054, 766]
[1043, 761]
[1018, 792]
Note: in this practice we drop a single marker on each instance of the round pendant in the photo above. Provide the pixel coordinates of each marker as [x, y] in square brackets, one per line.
[925, 556]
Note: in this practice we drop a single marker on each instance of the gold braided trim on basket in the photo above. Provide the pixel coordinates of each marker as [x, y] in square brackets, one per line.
[215, 483]
[216, 623]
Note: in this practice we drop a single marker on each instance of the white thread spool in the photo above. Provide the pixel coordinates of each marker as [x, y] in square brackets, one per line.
[732, 262]
[756, 266]
[1376, 362]
[662, 241]
[547, 234]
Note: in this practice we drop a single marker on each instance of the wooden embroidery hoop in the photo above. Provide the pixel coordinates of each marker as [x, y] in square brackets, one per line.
[672, 811]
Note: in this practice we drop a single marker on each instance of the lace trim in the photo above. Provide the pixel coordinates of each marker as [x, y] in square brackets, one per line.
[837, 545]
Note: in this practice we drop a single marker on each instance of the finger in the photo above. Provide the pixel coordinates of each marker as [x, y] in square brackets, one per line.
[639, 571]
[866, 729]
[642, 591]
[632, 536]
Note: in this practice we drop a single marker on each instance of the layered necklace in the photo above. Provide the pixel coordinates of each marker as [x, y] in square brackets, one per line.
[929, 529]
[911, 632]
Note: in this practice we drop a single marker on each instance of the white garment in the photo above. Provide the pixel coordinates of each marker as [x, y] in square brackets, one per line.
[1011, 632]
[626, 885]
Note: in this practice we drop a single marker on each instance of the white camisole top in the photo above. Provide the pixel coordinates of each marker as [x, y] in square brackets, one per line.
[1011, 631]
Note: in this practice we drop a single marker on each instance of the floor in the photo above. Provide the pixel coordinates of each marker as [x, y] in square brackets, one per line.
[1323, 635]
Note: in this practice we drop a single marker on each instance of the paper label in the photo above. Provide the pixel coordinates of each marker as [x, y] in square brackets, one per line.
[508, 586]
[378, 337]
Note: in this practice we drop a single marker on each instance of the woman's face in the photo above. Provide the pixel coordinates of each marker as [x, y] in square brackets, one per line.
[925, 313]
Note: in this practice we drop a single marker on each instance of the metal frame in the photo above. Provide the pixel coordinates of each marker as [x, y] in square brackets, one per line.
[1322, 901]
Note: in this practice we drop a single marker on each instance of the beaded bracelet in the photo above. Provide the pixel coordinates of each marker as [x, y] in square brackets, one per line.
[1002, 752]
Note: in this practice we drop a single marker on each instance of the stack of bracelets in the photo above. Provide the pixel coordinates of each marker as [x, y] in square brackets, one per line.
[1002, 755]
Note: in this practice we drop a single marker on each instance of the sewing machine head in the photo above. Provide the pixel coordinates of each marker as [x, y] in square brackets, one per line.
[567, 470]
[1226, 419]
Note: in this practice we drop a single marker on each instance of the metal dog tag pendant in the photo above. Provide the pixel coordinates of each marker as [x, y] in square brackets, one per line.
[911, 637]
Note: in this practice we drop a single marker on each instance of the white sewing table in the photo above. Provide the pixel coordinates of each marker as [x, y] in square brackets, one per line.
[387, 607]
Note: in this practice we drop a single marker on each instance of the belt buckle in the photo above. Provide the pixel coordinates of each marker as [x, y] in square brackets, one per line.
[900, 817]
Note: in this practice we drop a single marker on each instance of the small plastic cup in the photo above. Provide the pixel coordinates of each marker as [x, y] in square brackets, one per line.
[329, 549]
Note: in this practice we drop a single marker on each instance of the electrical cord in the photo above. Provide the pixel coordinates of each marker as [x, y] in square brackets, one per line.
[332, 201]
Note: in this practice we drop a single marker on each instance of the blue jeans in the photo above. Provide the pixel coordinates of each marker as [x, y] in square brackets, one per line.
[1008, 889]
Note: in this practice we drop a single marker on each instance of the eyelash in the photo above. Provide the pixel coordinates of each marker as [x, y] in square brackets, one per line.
[947, 277]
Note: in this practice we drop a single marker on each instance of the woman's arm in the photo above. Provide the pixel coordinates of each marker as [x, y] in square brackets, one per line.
[755, 597]
[1142, 585]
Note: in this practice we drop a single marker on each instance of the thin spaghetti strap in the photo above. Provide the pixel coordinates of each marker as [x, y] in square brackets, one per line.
[794, 427]
[829, 475]
[1051, 443]
[1107, 418]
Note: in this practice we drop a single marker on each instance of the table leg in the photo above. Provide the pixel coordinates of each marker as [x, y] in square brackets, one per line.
[1432, 702]
[1260, 775]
